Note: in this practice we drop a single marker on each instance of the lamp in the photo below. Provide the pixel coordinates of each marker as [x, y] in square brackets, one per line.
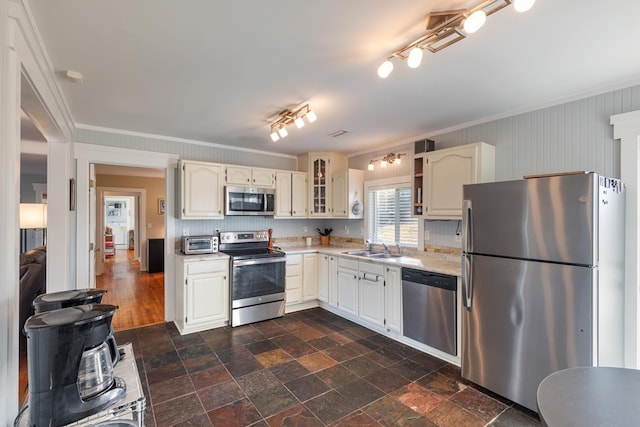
[446, 28]
[288, 118]
[33, 216]
[389, 159]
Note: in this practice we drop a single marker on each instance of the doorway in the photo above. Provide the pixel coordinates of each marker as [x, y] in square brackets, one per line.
[126, 218]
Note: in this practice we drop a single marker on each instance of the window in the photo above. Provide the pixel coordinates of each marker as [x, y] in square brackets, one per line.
[389, 217]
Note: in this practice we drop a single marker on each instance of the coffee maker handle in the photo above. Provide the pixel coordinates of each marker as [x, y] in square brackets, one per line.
[113, 349]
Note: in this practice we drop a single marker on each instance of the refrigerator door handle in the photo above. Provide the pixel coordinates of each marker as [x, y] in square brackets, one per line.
[467, 280]
[467, 227]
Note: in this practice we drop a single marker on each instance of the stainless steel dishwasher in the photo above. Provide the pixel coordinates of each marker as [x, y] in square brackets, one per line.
[429, 308]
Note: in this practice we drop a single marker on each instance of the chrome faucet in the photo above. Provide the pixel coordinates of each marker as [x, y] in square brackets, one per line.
[386, 248]
[399, 250]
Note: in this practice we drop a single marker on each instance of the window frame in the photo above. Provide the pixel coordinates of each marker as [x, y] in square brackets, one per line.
[403, 181]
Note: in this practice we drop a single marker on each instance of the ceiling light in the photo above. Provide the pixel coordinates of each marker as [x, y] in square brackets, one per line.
[474, 22]
[446, 28]
[415, 57]
[523, 5]
[385, 69]
[288, 118]
[311, 116]
[389, 159]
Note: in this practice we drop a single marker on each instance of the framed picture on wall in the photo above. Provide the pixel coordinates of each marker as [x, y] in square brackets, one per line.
[162, 206]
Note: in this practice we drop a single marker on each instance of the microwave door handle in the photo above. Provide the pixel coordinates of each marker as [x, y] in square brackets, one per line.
[264, 201]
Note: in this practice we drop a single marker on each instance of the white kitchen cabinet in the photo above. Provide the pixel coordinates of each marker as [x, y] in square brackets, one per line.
[291, 194]
[371, 282]
[320, 168]
[283, 194]
[202, 292]
[299, 192]
[348, 286]
[347, 190]
[201, 190]
[310, 277]
[393, 299]
[328, 279]
[263, 177]
[446, 171]
[242, 175]
[294, 279]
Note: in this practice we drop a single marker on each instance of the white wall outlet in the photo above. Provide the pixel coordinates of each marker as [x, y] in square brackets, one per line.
[149, 225]
[458, 238]
[305, 229]
[427, 235]
[346, 229]
[185, 231]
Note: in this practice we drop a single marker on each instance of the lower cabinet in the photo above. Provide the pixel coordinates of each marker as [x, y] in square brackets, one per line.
[301, 280]
[348, 286]
[371, 282]
[393, 299]
[202, 293]
[328, 279]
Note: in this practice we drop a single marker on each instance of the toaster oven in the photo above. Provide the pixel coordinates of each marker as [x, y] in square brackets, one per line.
[199, 245]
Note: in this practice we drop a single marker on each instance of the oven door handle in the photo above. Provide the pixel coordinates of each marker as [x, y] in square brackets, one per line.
[241, 262]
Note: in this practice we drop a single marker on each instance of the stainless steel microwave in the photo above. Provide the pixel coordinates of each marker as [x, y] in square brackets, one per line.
[199, 245]
[249, 201]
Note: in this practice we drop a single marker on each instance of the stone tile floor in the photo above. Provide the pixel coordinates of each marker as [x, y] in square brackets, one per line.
[310, 368]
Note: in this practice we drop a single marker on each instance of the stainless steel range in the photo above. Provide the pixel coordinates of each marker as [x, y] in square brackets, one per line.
[257, 276]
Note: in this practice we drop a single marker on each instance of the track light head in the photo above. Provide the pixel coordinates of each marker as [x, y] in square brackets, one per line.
[415, 57]
[474, 21]
[385, 69]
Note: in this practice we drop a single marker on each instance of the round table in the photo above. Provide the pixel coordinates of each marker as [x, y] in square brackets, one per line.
[590, 396]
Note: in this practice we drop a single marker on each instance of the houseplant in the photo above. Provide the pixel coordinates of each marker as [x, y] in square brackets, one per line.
[324, 236]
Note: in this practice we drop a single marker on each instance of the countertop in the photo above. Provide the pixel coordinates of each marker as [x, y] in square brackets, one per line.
[437, 263]
[202, 257]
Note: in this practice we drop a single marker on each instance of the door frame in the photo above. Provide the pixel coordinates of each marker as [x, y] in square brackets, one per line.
[140, 234]
[84, 154]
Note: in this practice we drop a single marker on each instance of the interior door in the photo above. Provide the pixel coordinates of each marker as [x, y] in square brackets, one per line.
[92, 227]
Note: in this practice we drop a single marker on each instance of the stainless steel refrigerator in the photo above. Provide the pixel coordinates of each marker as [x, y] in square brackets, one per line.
[543, 280]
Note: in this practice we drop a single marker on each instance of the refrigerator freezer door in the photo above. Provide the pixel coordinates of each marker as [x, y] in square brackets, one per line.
[527, 319]
[549, 219]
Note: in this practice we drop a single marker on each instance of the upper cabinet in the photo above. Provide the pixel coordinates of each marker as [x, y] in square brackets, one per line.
[240, 175]
[444, 172]
[201, 186]
[347, 190]
[291, 194]
[321, 167]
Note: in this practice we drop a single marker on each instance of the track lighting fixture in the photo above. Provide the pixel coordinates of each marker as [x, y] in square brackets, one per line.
[288, 118]
[389, 159]
[446, 28]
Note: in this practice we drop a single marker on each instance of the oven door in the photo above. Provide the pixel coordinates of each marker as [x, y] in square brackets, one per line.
[257, 281]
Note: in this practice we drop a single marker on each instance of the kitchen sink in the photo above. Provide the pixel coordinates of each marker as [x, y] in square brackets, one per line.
[369, 254]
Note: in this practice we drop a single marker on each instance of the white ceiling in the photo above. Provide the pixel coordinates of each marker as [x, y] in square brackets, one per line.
[217, 71]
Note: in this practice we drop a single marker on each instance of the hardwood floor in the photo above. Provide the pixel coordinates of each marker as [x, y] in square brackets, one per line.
[139, 295]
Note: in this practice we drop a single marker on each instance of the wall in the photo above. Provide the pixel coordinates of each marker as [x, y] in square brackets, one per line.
[27, 193]
[155, 191]
[573, 136]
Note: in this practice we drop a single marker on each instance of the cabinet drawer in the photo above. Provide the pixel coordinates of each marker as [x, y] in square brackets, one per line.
[348, 263]
[294, 270]
[294, 259]
[205, 267]
[368, 267]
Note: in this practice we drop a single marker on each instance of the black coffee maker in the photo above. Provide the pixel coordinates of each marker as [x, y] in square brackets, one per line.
[70, 364]
[63, 299]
